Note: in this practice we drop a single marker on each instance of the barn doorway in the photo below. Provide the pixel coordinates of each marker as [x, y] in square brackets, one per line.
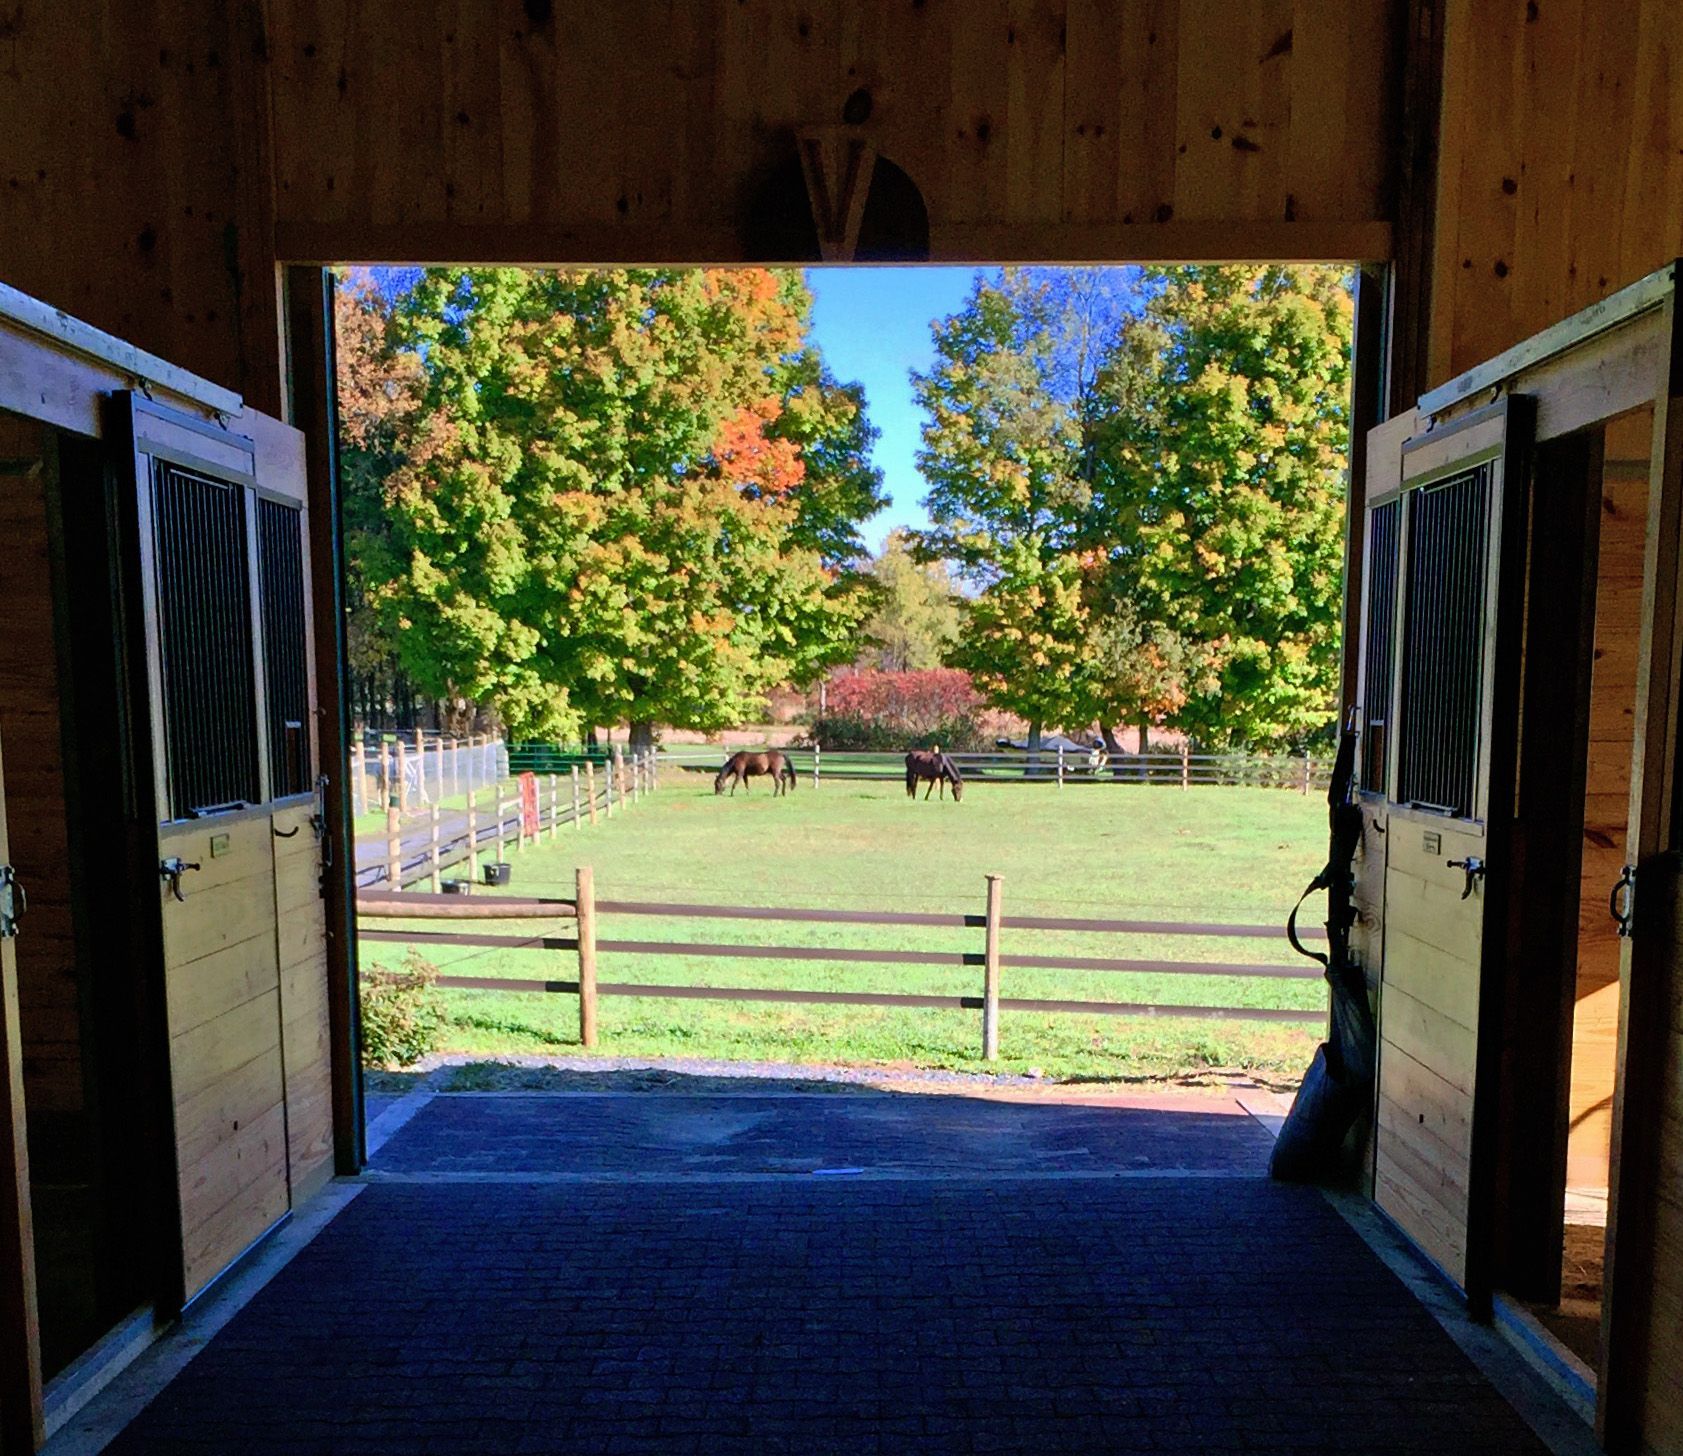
[81, 962]
[1589, 527]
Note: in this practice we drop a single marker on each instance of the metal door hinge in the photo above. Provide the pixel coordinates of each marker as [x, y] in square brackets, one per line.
[13, 902]
[1621, 903]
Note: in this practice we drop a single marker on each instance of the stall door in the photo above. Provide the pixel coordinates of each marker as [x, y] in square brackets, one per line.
[227, 694]
[1447, 536]
[20, 1371]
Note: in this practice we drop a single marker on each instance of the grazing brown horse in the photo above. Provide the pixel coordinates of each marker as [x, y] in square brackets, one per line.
[741, 767]
[937, 768]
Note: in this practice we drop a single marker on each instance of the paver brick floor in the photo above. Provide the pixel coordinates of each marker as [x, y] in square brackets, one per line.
[750, 1133]
[800, 1313]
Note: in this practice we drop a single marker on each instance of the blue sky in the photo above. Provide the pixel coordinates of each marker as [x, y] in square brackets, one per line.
[873, 326]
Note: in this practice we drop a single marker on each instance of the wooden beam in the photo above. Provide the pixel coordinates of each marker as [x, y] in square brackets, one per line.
[311, 400]
[1649, 966]
[606, 244]
[21, 1426]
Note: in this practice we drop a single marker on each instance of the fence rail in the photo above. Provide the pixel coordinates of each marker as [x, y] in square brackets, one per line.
[585, 910]
[1304, 773]
[418, 846]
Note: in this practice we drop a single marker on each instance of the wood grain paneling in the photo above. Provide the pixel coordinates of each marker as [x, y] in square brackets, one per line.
[1612, 736]
[301, 937]
[1428, 1051]
[48, 994]
[200, 134]
[1561, 164]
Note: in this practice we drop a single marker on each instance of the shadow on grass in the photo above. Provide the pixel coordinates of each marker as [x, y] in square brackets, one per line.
[491, 1074]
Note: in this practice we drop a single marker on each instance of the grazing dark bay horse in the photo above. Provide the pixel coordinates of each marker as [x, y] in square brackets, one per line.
[937, 768]
[741, 767]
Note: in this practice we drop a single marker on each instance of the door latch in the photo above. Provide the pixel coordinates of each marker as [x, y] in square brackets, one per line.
[1621, 904]
[1473, 867]
[172, 869]
[13, 902]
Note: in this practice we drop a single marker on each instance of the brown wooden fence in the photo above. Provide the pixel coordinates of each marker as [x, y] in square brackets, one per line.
[585, 910]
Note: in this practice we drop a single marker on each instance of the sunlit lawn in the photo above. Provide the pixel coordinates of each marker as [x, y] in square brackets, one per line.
[1114, 851]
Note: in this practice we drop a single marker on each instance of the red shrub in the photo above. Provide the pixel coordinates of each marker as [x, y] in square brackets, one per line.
[908, 702]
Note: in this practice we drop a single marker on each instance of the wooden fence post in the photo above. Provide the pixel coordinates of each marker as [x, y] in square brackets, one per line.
[990, 974]
[1185, 766]
[1060, 765]
[432, 841]
[817, 754]
[578, 819]
[394, 846]
[585, 901]
[400, 774]
[1306, 772]
[590, 784]
[420, 767]
[473, 839]
[455, 765]
[359, 784]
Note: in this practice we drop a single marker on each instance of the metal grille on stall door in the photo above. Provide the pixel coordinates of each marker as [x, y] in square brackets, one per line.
[1443, 643]
[1380, 652]
[280, 575]
[204, 611]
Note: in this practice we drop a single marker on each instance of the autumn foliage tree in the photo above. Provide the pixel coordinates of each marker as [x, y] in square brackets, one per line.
[627, 497]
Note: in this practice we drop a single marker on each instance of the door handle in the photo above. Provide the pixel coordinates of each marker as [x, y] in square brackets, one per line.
[1473, 867]
[172, 869]
[1624, 914]
[13, 902]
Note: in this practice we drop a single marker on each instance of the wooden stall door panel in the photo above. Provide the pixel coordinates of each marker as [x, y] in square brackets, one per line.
[196, 525]
[223, 992]
[301, 932]
[1429, 1038]
[1453, 719]
[300, 911]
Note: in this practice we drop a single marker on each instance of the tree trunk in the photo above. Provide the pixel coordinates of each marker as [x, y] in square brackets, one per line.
[1033, 750]
[1145, 735]
[1113, 747]
[642, 735]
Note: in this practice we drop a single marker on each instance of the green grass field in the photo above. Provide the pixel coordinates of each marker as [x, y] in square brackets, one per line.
[1211, 854]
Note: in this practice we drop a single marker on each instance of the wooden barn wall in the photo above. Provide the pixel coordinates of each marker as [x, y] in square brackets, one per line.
[152, 145]
[48, 991]
[134, 177]
[1560, 164]
[655, 120]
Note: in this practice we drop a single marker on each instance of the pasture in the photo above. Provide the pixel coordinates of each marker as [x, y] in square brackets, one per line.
[1122, 851]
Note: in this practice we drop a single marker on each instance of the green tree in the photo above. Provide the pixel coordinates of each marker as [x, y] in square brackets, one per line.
[1002, 453]
[1221, 490]
[602, 522]
[916, 618]
[827, 422]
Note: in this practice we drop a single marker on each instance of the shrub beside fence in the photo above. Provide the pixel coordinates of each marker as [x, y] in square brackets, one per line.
[995, 958]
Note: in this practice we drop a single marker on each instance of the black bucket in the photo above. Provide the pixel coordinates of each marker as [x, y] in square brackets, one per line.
[457, 887]
[500, 872]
